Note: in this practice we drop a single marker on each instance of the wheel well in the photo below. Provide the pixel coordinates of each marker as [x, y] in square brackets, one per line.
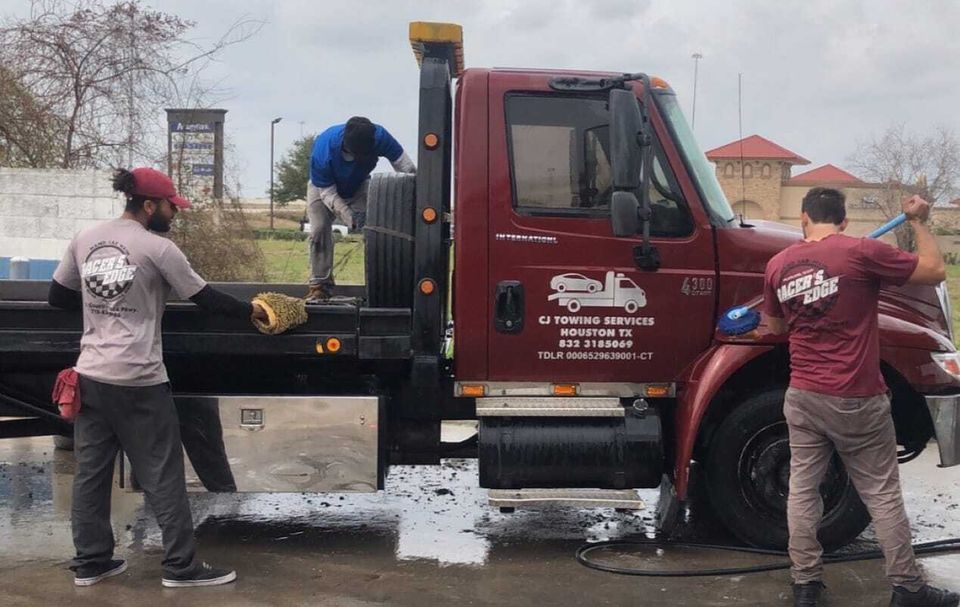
[910, 415]
[768, 371]
[911, 418]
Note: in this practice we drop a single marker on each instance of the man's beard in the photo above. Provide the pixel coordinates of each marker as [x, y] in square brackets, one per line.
[158, 224]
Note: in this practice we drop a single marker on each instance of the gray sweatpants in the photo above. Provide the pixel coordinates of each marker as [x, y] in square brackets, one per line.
[861, 431]
[143, 421]
[321, 230]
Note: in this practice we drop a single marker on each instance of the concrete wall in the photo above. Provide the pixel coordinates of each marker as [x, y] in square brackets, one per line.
[42, 210]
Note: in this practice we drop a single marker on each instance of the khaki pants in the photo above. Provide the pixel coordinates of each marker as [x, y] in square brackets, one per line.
[862, 433]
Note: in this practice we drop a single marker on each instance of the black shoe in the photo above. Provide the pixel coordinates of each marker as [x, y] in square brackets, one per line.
[88, 575]
[928, 596]
[807, 595]
[318, 293]
[200, 574]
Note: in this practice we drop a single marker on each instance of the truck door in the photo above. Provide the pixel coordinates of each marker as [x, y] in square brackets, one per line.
[569, 302]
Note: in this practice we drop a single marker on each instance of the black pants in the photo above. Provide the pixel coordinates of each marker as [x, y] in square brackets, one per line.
[202, 434]
[143, 421]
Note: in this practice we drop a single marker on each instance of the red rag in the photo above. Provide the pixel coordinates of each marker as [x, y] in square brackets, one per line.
[66, 394]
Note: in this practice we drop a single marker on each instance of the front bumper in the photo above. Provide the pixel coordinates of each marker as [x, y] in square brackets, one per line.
[945, 413]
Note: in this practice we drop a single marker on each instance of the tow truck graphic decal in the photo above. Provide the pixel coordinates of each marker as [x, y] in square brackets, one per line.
[575, 291]
[612, 333]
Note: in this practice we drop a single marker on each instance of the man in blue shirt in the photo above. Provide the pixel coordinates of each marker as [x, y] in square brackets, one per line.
[343, 158]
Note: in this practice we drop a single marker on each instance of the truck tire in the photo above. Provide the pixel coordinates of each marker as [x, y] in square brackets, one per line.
[388, 238]
[747, 478]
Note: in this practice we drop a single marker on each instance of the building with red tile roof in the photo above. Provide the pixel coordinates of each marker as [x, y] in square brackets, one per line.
[755, 147]
[824, 175]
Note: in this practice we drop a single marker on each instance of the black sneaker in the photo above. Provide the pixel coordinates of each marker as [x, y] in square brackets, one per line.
[807, 595]
[200, 574]
[928, 596]
[88, 575]
[318, 293]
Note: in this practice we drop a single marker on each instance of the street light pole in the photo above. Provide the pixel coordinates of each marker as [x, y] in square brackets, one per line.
[696, 64]
[273, 123]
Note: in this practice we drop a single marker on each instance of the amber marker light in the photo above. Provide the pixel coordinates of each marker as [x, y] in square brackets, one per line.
[429, 215]
[431, 141]
[333, 345]
[427, 286]
[656, 391]
[475, 390]
[565, 389]
[659, 83]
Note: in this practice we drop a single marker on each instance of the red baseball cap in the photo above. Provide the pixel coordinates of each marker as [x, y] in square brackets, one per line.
[151, 183]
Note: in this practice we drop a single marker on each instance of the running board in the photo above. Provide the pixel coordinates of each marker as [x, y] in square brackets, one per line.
[626, 499]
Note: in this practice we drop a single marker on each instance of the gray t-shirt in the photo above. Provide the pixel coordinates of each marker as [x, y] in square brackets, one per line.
[124, 273]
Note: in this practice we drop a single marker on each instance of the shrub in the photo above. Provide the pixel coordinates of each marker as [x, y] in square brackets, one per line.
[219, 244]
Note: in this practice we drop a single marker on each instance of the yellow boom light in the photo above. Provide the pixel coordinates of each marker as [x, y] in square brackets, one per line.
[444, 40]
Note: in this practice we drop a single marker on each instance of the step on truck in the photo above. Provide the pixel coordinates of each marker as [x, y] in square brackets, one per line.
[551, 187]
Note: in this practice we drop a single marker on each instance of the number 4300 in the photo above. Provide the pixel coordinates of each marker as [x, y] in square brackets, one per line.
[697, 286]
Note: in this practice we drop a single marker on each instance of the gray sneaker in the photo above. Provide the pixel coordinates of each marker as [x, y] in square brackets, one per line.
[200, 574]
[88, 575]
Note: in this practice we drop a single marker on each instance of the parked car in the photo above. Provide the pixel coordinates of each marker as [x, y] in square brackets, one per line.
[575, 282]
[340, 229]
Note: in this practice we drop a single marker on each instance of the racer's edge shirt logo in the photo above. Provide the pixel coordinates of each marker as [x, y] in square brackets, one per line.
[807, 290]
[106, 273]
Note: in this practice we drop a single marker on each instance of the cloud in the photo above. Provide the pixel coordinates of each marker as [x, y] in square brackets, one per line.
[817, 74]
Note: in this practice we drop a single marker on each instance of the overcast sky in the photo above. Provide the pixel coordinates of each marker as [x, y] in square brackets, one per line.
[818, 75]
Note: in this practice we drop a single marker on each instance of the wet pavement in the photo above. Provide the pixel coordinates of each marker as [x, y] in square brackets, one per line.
[428, 539]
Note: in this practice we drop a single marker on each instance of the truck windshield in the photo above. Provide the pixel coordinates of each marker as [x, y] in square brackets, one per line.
[700, 168]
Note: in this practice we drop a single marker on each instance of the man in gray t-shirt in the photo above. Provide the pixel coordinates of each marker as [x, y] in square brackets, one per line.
[125, 274]
[120, 273]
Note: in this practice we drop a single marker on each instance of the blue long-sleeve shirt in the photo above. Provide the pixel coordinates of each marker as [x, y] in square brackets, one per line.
[328, 166]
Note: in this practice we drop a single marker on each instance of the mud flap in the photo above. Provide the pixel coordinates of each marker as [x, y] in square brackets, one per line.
[668, 508]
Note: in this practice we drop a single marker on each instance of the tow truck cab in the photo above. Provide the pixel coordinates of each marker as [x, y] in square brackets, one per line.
[541, 335]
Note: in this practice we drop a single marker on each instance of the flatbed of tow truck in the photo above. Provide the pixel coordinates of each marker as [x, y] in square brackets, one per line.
[30, 326]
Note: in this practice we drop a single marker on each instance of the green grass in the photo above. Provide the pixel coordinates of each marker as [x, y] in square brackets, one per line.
[953, 286]
[288, 261]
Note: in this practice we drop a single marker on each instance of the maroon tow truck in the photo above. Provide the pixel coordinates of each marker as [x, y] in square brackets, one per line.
[593, 253]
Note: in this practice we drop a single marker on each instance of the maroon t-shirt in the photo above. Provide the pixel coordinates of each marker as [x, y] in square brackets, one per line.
[827, 291]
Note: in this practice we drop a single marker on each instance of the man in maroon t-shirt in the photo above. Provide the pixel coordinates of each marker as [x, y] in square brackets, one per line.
[824, 291]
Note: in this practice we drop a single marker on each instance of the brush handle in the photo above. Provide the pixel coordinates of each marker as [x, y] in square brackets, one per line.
[896, 221]
[740, 311]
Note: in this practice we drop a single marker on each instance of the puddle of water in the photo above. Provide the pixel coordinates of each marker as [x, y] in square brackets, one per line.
[426, 513]
[433, 513]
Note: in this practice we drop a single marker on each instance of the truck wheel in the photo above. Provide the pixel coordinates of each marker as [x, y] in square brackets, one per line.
[388, 240]
[631, 306]
[573, 306]
[748, 472]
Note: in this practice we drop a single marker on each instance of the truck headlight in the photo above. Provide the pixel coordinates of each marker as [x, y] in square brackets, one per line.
[948, 361]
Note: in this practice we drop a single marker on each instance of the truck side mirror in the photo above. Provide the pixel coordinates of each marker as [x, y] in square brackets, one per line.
[626, 126]
[625, 213]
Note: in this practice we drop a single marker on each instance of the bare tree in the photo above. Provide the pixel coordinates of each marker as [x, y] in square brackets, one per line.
[902, 163]
[105, 71]
[28, 132]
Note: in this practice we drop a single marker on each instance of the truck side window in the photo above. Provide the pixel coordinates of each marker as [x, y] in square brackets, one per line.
[560, 165]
